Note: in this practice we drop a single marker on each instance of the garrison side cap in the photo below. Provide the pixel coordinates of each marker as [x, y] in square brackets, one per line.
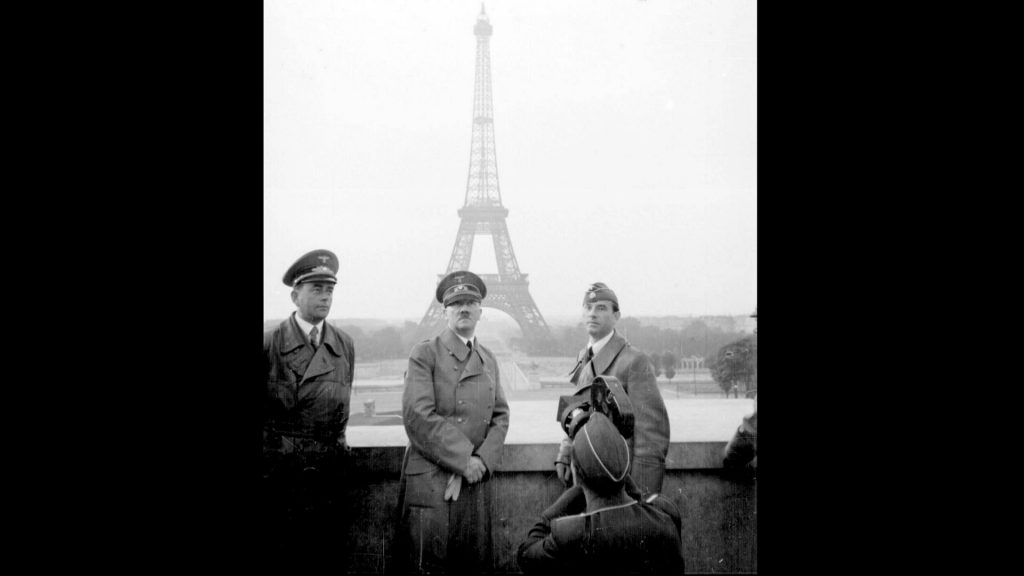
[599, 291]
[315, 266]
[460, 285]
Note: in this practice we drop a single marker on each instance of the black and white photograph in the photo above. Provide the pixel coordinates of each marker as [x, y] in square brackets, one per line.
[510, 286]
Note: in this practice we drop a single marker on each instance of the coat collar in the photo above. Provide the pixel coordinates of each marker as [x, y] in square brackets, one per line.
[454, 344]
[294, 338]
[600, 363]
[607, 354]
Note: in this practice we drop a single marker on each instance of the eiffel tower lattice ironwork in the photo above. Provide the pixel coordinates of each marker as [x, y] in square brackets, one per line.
[483, 214]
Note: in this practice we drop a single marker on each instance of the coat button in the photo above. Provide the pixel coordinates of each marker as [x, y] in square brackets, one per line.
[463, 402]
[459, 419]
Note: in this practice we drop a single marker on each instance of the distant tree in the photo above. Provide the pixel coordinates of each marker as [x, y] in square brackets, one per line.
[669, 361]
[387, 343]
[656, 360]
[734, 364]
[631, 329]
[409, 333]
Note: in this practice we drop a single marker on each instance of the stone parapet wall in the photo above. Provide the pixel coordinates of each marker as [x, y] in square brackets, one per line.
[718, 507]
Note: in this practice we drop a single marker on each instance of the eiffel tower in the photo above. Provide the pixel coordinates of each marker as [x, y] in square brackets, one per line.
[483, 213]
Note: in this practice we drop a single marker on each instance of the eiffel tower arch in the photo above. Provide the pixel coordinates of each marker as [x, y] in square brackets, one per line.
[483, 214]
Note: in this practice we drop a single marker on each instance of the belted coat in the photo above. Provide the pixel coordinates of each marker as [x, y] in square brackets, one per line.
[306, 403]
[453, 407]
[648, 447]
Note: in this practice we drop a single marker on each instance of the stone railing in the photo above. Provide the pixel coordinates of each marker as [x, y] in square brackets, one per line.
[718, 507]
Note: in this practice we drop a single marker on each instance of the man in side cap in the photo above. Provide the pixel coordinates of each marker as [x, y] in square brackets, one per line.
[309, 366]
[595, 527]
[456, 416]
[609, 354]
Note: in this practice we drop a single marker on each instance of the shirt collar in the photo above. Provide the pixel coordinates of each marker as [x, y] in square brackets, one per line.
[600, 343]
[306, 326]
[465, 340]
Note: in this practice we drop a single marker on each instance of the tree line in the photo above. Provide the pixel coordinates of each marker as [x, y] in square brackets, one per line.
[696, 339]
[731, 357]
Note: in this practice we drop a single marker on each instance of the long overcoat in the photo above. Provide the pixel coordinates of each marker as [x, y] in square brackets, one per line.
[649, 446]
[453, 407]
[306, 404]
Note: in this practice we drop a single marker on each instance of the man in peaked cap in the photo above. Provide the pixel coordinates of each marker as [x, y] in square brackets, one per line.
[595, 526]
[309, 366]
[609, 354]
[456, 416]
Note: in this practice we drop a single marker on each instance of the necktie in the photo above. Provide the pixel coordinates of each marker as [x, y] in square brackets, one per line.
[590, 355]
[470, 344]
[313, 337]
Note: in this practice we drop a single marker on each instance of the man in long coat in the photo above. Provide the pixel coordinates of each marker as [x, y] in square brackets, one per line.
[456, 416]
[309, 367]
[609, 354]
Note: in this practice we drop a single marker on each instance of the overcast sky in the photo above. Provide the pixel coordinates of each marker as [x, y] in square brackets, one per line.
[626, 147]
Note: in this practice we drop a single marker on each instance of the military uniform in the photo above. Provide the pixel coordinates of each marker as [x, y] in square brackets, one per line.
[305, 412]
[453, 407]
[595, 527]
[306, 406]
[638, 538]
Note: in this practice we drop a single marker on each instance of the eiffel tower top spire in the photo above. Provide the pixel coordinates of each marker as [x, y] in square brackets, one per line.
[482, 187]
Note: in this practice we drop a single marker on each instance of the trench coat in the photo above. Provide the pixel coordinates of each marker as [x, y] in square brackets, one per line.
[648, 447]
[305, 412]
[453, 407]
[306, 405]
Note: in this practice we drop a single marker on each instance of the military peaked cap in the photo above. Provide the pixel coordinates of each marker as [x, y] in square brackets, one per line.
[460, 285]
[316, 266]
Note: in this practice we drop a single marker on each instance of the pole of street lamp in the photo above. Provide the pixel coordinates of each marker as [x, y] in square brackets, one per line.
[694, 362]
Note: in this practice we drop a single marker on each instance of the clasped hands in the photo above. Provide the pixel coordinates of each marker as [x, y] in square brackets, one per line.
[475, 470]
[473, 473]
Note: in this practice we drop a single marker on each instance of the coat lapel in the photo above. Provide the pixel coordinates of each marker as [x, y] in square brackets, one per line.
[607, 354]
[293, 337]
[454, 345]
[294, 349]
[474, 366]
[584, 374]
[300, 357]
[574, 374]
[320, 364]
[332, 340]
